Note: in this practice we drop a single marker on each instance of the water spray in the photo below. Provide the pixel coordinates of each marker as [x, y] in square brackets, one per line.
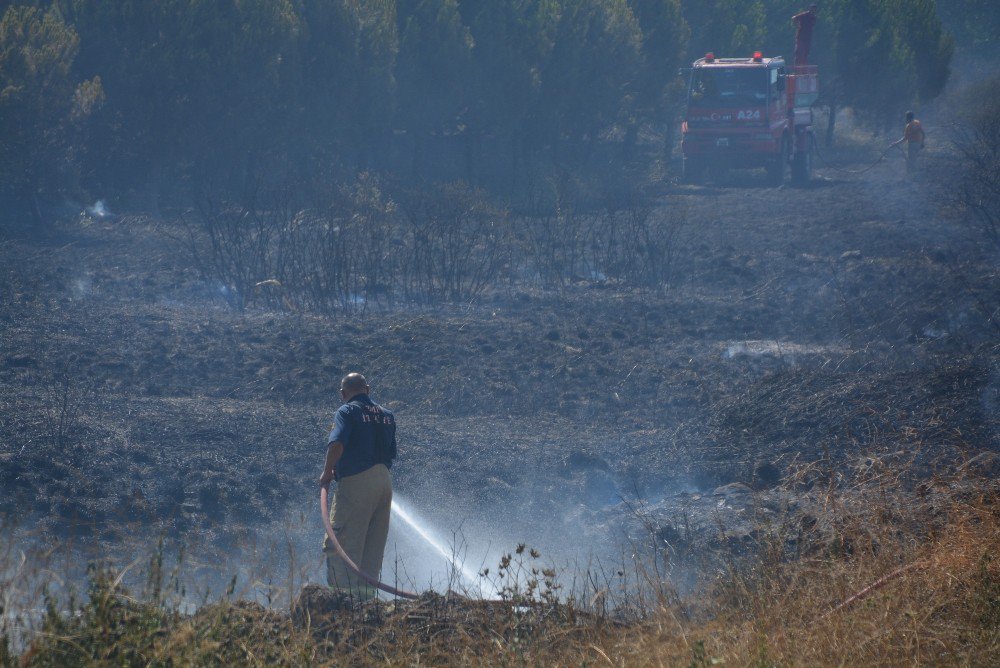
[457, 566]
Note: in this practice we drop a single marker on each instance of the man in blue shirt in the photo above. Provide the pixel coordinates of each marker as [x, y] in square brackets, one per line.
[360, 450]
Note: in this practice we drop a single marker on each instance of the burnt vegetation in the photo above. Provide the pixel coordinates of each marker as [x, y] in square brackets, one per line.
[977, 138]
[446, 243]
[780, 404]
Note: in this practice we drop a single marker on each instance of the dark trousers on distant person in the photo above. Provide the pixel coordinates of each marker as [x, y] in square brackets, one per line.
[360, 519]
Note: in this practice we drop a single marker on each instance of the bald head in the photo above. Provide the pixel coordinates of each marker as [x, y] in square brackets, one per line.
[352, 385]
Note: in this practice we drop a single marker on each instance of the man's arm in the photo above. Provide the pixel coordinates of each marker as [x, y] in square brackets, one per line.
[333, 453]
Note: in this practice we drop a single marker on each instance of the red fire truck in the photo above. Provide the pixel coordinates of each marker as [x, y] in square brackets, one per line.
[749, 112]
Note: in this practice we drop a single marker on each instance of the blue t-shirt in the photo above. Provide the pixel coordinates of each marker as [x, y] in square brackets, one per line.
[354, 426]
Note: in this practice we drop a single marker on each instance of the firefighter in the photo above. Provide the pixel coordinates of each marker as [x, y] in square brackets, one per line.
[913, 135]
[804, 23]
[360, 450]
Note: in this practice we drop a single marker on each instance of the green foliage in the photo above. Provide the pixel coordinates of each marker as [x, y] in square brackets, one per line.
[862, 38]
[659, 91]
[194, 84]
[40, 106]
[588, 79]
[974, 25]
[329, 70]
[433, 71]
[699, 658]
[109, 628]
[665, 34]
[728, 27]
[887, 56]
[919, 36]
[433, 66]
[511, 40]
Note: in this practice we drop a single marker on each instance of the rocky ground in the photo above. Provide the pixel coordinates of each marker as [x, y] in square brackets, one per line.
[839, 334]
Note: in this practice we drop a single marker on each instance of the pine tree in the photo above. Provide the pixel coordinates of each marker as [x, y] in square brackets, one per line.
[39, 104]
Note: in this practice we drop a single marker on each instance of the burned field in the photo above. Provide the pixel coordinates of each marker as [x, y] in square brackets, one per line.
[838, 336]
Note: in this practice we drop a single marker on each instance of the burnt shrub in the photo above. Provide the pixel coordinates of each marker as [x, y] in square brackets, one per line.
[976, 134]
[241, 244]
[341, 255]
[456, 243]
[361, 248]
[356, 249]
[628, 243]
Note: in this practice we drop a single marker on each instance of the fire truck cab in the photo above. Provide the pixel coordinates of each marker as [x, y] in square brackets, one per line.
[749, 112]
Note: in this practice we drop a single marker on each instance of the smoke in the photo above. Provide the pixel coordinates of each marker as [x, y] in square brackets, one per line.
[99, 210]
[785, 352]
[81, 287]
[428, 557]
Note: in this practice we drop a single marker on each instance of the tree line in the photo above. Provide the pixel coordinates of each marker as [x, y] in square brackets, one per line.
[152, 99]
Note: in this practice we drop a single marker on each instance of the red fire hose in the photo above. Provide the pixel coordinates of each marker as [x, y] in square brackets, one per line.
[324, 507]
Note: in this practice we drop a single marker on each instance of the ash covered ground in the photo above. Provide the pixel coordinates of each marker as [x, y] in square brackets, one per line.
[807, 337]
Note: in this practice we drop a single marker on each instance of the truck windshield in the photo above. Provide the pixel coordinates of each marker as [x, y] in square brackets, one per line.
[726, 88]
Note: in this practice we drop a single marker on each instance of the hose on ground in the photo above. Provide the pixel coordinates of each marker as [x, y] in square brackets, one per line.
[870, 167]
[878, 584]
[324, 506]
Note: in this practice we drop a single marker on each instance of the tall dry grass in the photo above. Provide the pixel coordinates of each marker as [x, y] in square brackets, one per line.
[913, 585]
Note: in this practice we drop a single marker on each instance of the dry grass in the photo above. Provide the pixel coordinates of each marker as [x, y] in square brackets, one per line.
[936, 598]
[883, 577]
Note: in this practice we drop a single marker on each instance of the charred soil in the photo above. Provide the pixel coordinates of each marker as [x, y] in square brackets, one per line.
[806, 338]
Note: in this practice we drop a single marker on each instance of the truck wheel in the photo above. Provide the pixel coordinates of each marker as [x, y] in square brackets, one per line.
[802, 167]
[693, 171]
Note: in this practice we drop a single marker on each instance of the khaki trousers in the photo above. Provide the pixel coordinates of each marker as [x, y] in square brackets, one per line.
[360, 519]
